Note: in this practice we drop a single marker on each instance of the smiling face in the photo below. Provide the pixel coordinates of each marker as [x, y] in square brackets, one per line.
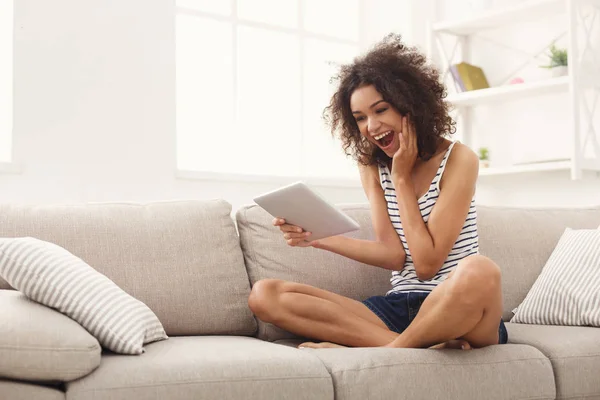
[377, 120]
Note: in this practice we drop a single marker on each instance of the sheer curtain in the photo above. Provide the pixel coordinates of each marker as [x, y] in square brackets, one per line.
[6, 87]
[253, 77]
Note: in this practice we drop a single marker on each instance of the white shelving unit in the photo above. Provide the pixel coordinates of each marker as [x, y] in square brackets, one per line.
[536, 167]
[584, 138]
[524, 12]
[509, 92]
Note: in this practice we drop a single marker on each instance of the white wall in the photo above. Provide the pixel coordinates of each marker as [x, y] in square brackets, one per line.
[94, 112]
[93, 101]
[95, 107]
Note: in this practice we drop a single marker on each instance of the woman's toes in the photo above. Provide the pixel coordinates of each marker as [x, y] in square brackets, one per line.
[322, 345]
[465, 345]
[453, 344]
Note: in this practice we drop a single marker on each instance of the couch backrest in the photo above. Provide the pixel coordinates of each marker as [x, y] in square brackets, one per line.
[181, 258]
[268, 256]
[520, 240]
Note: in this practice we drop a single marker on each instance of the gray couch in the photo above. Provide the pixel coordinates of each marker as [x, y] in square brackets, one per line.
[189, 264]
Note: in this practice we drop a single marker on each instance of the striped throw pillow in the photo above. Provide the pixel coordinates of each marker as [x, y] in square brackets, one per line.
[51, 275]
[567, 292]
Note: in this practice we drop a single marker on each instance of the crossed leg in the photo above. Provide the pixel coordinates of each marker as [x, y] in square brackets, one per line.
[316, 313]
[466, 306]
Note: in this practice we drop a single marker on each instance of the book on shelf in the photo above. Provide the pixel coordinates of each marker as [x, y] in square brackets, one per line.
[468, 77]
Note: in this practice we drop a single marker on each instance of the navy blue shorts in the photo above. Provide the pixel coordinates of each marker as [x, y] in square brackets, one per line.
[397, 311]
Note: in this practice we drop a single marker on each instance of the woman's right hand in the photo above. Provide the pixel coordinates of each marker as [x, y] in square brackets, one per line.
[294, 235]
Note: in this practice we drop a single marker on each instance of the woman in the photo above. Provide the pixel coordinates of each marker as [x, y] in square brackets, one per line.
[390, 112]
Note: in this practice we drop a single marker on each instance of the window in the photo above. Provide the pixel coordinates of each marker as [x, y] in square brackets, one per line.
[6, 92]
[252, 82]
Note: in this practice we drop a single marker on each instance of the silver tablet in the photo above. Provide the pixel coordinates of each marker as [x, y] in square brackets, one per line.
[302, 206]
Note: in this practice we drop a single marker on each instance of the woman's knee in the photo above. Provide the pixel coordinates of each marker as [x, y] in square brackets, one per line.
[263, 296]
[476, 276]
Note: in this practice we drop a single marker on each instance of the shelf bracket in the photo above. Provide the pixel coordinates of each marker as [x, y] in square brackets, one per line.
[447, 61]
[586, 80]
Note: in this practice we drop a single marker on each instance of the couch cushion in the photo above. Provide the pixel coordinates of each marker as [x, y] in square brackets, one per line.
[10, 390]
[520, 241]
[181, 258]
[209, 367]
[567, 292]
[574, 352]
[268, 256]
[495, 372]
[520, 256]
[40, 344]
[52, 276]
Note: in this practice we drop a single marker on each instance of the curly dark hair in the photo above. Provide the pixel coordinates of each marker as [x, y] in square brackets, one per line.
[403, 77]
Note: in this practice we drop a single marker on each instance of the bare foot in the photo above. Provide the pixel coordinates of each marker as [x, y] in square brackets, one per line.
[322, 345]
[453, 344]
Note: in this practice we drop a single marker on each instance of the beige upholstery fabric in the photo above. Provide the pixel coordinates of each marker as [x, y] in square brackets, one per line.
[52, 276]
[10, 390]
[520, 241]
[567, 292]
[210, 367]
[495, 372]
[38, 343]
[268, 256]
[574, 352]
[181, 258]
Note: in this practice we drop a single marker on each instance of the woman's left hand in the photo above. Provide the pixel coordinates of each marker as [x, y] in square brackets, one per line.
[406, 156]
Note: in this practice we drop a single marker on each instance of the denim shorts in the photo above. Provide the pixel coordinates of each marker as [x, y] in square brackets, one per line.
[397, 311]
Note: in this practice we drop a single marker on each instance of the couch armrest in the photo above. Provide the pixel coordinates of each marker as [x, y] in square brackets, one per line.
[38, 343]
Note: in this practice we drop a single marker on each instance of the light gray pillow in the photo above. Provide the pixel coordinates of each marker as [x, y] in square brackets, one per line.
[38, 343]
[51, 275]
[567, 292]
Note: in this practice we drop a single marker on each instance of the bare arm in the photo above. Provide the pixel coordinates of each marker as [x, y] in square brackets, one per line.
[385, 251]
[364, 251]
[430, 243]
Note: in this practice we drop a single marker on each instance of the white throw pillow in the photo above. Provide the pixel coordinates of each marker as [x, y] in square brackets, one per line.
[567, 292]
[51, 275]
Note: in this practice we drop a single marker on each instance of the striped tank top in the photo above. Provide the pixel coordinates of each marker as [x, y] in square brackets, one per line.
[466, 244]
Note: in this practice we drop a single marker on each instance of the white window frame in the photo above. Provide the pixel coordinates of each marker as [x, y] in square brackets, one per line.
[9, 166]
[303, 34]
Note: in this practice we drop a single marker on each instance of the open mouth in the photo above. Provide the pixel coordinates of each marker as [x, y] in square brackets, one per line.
[385, 139]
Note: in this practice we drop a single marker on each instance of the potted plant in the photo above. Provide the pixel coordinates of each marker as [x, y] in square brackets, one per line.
[484, 157]
[558, 61]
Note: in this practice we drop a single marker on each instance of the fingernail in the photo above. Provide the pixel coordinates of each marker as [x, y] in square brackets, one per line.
[301, 347]
[463, 346]
[307, 234]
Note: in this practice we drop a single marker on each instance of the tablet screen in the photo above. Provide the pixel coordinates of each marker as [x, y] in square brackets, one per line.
[303, 206]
